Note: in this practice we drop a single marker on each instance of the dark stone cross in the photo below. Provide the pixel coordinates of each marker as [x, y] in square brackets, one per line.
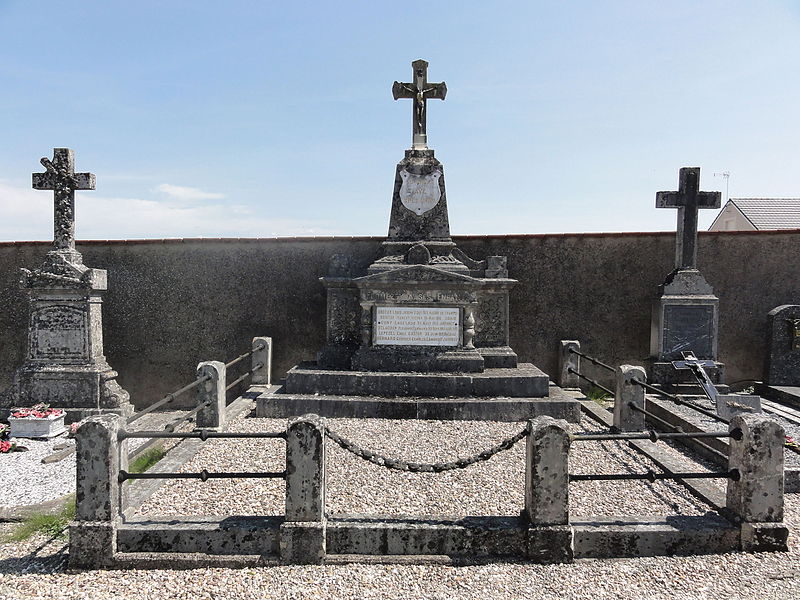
[420, 90]
[61, 177]
[688, 199]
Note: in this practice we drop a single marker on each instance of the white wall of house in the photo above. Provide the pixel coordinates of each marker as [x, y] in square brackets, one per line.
[731, 218]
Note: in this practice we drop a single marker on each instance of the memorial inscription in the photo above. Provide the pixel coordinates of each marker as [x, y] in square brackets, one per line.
[417, 326]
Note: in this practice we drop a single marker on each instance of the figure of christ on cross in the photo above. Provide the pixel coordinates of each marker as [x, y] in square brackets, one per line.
[420, 91]
[60, 176]
[688, 199]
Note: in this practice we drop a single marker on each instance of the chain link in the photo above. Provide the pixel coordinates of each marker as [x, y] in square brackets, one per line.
[414, 467]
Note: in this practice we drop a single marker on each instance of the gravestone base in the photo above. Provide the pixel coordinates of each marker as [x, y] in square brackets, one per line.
[418, 359]
[664, 374]
[65, 366]
[785, 394]
[499, 357]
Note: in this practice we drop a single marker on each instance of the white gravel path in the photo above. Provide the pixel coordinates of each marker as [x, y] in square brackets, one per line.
[24, 480]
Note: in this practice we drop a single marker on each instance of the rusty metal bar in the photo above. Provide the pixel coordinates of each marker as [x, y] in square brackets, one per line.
[592, 381]
[654, 436]
[202, 475]
[167, 398]
[203, 434]
[592, 360]
[679, 401]
[241, 357]
[652, 476]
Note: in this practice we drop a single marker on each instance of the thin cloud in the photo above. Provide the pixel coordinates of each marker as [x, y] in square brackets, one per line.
[180, 192]
[28, 215]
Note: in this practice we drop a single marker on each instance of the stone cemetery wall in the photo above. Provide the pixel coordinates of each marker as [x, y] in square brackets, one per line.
[174, 303]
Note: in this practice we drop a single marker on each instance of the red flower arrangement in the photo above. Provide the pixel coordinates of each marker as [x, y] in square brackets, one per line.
[37, 411]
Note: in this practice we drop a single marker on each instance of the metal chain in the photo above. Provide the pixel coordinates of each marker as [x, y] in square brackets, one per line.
[414, 467]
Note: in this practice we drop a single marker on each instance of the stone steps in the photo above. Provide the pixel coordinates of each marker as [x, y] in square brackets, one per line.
[526, 381]
[281, 404]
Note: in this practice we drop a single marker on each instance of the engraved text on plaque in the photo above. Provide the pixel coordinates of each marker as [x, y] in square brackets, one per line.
[417, 326]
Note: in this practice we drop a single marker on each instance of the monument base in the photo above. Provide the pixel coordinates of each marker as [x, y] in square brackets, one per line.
[417, 359]
[496, 394]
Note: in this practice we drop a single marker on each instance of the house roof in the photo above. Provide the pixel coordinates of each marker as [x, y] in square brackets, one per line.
[770, 213]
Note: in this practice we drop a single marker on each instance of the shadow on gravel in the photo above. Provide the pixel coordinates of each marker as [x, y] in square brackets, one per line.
[39, 560]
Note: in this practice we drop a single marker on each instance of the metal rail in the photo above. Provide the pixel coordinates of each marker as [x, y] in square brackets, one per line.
[679, 401]
[203, 434]
[203, 475]
[236, 382]
[652, 476]
[593, 360]
[167, 398]
[592, 381]
[241, 357]
[654, 436]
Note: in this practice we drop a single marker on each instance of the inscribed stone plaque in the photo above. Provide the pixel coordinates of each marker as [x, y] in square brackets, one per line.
[58, 332]
[688, 328]
[420, 193]
[417, 326]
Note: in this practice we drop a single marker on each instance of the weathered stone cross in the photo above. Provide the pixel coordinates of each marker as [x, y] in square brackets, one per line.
[688, 199]
[61, 177]
[420, 90]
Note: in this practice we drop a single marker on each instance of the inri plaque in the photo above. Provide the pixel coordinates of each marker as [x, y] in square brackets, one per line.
[416, 326]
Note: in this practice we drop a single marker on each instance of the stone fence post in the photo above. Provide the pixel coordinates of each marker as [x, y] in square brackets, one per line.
[99, 458]
[627, 392]
[211, 392]
[567, 359]
[302, 537]
[547, 491]
[756, 499]
[262, 356]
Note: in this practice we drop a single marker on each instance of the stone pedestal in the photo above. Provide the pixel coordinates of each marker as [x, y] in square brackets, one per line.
[64, 365]
[684, 319]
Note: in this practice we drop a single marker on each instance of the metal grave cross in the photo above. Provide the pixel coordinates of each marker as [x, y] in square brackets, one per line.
[420, 91]
[688, 199]
[691, 362]
[60, 176]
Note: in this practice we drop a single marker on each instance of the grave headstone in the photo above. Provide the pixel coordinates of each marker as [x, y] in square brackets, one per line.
[64, 365]
[425, 326]
[782, 363]
[685, 314]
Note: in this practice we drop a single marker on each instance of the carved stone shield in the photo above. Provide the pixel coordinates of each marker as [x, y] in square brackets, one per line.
[420, 193]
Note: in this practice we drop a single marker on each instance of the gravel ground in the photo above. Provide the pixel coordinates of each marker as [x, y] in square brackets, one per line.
[22, 474]
[355, 486]
[35, 568]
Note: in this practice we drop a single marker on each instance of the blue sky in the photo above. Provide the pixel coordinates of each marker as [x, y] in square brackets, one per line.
[256, 119]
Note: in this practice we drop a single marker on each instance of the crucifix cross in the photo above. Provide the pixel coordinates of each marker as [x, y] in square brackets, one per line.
[60, 176]
[688, 199]
[420, 91]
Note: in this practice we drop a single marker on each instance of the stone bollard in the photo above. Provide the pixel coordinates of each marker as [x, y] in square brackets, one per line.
[547, 491]
[99, 458]
[627, 392]
[756, 499]
[263, 357]
[567, 359]
[213, 393]
[302, 537]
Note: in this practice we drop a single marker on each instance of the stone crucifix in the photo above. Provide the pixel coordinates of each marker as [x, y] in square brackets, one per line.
[420, 91]
[60, 176]
[688, 200]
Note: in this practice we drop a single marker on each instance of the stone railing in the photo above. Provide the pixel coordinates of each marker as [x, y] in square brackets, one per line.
[306, 533]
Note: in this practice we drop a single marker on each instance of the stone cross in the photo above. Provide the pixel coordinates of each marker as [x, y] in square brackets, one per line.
[419, 90]
[688, 199]
[61, 177]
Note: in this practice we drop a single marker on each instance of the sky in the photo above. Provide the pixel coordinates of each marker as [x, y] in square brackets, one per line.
[263, 119]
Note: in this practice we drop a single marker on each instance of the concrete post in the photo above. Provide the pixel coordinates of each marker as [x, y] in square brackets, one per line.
[756, 499]
[626, 418]
[567, 359]
[213, 393]
[547, 491]
[99, 458]
[262, 355]
[303, 531]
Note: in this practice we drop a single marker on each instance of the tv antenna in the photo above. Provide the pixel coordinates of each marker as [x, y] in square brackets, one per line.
[726, 175]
